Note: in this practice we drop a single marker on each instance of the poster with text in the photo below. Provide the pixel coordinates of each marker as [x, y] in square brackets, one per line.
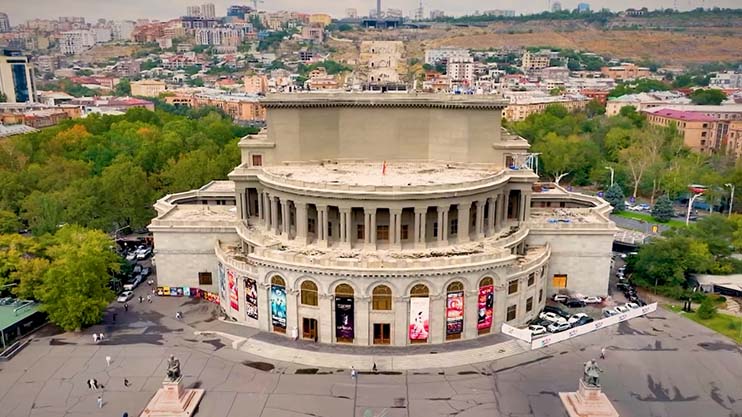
[251, 298]
[455, 312]
[222, 285]
[419, 312]
[234, 299]
[484, 307]
[278, 306]
[344, 317]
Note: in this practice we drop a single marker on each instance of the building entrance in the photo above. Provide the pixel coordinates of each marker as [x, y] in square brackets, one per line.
[382, 333]
[309, 329]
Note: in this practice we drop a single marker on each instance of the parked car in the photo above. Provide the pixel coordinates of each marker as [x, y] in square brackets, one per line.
[133, 283]
[556, 310]
[592, 300]
[609, 312]
[575, 318]
[144, 253]
[632, 305]
[622, 309]
[560, 298]
[146, 271]
[622, 286]
[552, 317]
[131, 256]
[583, 320]
[536, 329]
[125, 296]
[558, 327]
[574, 303]
[137, 269]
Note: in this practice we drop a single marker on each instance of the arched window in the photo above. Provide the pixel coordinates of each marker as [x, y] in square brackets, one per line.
[276, 280]
[454, 310]
[485, 305]
[309, 293]
[419, 290]
[486, 281]
[419, 311]
[344, 290]
[278, 304]
[344, 314]
[455, 286]
[381, 298]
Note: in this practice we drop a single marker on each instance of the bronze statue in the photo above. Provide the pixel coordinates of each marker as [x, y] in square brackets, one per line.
[591, 375]
[173, 368]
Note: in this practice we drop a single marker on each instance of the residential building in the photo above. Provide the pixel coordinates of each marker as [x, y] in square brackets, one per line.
[645, 101]
[625, 72]
[631, 12]
[393, 13]
[531, 61]
[218, 36]
[733, 141]
[601, 96]
[314, 32]
[102, 34]
[583, 7]
[556, 7]
[47, 63]
[208, 11]
[555, 73]
[44, 118]
[16, 77]
[321, 19]
[700, 132]
[256, 84]
[242, 107]
[147, 88]
[239, 11]
[726, 80]
[76, 41]
[121, 30]
[4, 23]
[521, 107]
[379, 61]
[193, 11]
[460, 71]
[351, 13]
[500, 13]
[436, 55]
[437, 14]
[383, 219]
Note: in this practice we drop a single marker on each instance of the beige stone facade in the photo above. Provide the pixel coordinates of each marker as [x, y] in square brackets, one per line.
[147, 88]
[382, 219]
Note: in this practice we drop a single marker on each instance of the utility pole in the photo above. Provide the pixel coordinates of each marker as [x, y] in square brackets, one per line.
[690, 205]
[731, 198]
[612, 173]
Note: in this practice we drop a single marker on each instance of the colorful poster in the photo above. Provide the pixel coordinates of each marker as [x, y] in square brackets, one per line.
[278, 306]
[455, 312]
[222, 284]
[234, 299]
[251, 298]
[176, 291]
[484, 307]
[344, 315]
[210, 296]
[419, 312]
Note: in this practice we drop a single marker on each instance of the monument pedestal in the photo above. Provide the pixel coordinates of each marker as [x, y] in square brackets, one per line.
[172, 400]
[588, 401]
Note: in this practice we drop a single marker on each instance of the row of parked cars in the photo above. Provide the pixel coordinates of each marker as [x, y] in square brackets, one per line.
[574, 302]
[139, 253]
[138, 275]
[555, 320]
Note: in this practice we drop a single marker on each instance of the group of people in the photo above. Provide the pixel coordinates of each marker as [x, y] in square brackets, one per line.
[98, 337]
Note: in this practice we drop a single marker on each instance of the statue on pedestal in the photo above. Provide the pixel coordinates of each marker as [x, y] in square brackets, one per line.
[173, 368]
[591, 374]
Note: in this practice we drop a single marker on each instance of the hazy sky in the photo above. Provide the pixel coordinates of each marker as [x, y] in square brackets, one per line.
[22, 10]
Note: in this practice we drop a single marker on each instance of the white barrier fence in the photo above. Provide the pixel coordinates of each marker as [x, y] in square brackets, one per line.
[590, 327]
[522, 334]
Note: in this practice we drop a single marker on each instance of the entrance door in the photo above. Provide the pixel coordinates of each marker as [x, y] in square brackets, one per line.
[382, 333]
[309, 329]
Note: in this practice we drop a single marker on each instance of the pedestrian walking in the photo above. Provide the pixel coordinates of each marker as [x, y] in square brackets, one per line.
[602, 353]
[353, 373]
[95, 337]
[125, 414]
[100, 402]
[149, 298]
[126, 307]
[108, 361]
[141, 299]
[374, 368]
[91, 384]
[179, 315]
[114, 317]
[95, 384]
[126, 382]
[101, 337]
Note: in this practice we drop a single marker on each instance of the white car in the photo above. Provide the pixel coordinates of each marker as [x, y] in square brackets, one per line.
[575, 318]
[622, 309]
[631, 305]
[536, 329]
[609, 312]
[592, 300]
[131, 257]
[125, 296]
[552, 317]
[558, 327]
[144, 253]
[560, 298]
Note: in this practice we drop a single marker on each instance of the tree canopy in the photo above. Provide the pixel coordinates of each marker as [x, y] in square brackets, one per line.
[709, 96]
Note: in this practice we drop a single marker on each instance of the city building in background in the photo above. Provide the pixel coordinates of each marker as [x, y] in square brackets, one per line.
[16, 77]
[4, 23]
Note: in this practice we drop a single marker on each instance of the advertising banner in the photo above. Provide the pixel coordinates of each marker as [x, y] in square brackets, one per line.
[552, 338]
[251, 298]
[344, 315]
[222, 285]
[210, 296]
[485, 303]
[278, 306]
[455, 312]
[419, 312]
[234, 299]
[522, 334]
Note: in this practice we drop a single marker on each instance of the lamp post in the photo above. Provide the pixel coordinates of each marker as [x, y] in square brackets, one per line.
[731, 198]
[612, 172]
[690, 205]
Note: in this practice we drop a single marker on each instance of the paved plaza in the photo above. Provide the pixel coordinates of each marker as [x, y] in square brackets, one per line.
[661, 365]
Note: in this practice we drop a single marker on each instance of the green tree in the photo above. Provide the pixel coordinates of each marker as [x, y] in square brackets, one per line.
[74, 290]
[667, 261]
[3, 97]
[562, 156]
[127, 194]
[709, 96]
[663, 210]
[9, 222]
[614, 196]
[707, 310]
[123, 88]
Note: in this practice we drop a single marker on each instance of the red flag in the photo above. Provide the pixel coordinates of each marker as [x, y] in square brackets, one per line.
[383, 169]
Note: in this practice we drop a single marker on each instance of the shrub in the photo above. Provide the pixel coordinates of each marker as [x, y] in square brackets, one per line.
[662, 210]
[707, 310]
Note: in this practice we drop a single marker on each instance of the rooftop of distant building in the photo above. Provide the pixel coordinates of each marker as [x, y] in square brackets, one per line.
[689, 116]
[379, 99]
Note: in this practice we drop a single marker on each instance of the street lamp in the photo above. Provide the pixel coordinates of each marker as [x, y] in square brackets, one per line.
[731, 198]
[612, 172]
[690, 205]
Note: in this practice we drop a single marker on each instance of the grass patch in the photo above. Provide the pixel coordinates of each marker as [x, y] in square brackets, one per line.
[648, 218]
[725, 324]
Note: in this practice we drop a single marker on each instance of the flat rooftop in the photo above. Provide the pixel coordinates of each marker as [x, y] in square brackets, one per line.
[9, 315]
[384, 100]
[198, 215]
[396, 173]
[219, 187]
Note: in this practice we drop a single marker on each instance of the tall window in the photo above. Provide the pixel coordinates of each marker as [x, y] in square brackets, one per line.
[311, 226]
[381, 298]
[382, 232]
[419, 290]
[454, 229]
[309, 293]
[531, 278]
[540, 295]
[511, 312]
[435, 229]
[513, 286]
[529, 304]
[329, 228]
[360, 232]
[204, 278]
[405, 232]
[559, 281]
[257, 160]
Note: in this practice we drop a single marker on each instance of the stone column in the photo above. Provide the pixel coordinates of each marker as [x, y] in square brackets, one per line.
[463, 233]
[264, 307]
[274, 215]
[240, 206]
[441, 210]
[322, 227]
[491, 217]
[301, 222]
[366, 227]
[292, 311]
[361, 321]
[246, 203]
[527, 206]
[506, 203]
[400, 336]
[285, 226]
[420, 227]
[345, 227]
[480, 220]
[437, 316]
[395, 223]
[373, 227]
[266, 211]
[471, 302]
[521, 206]
[326, 318]
[349, 227]
[445, 224]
